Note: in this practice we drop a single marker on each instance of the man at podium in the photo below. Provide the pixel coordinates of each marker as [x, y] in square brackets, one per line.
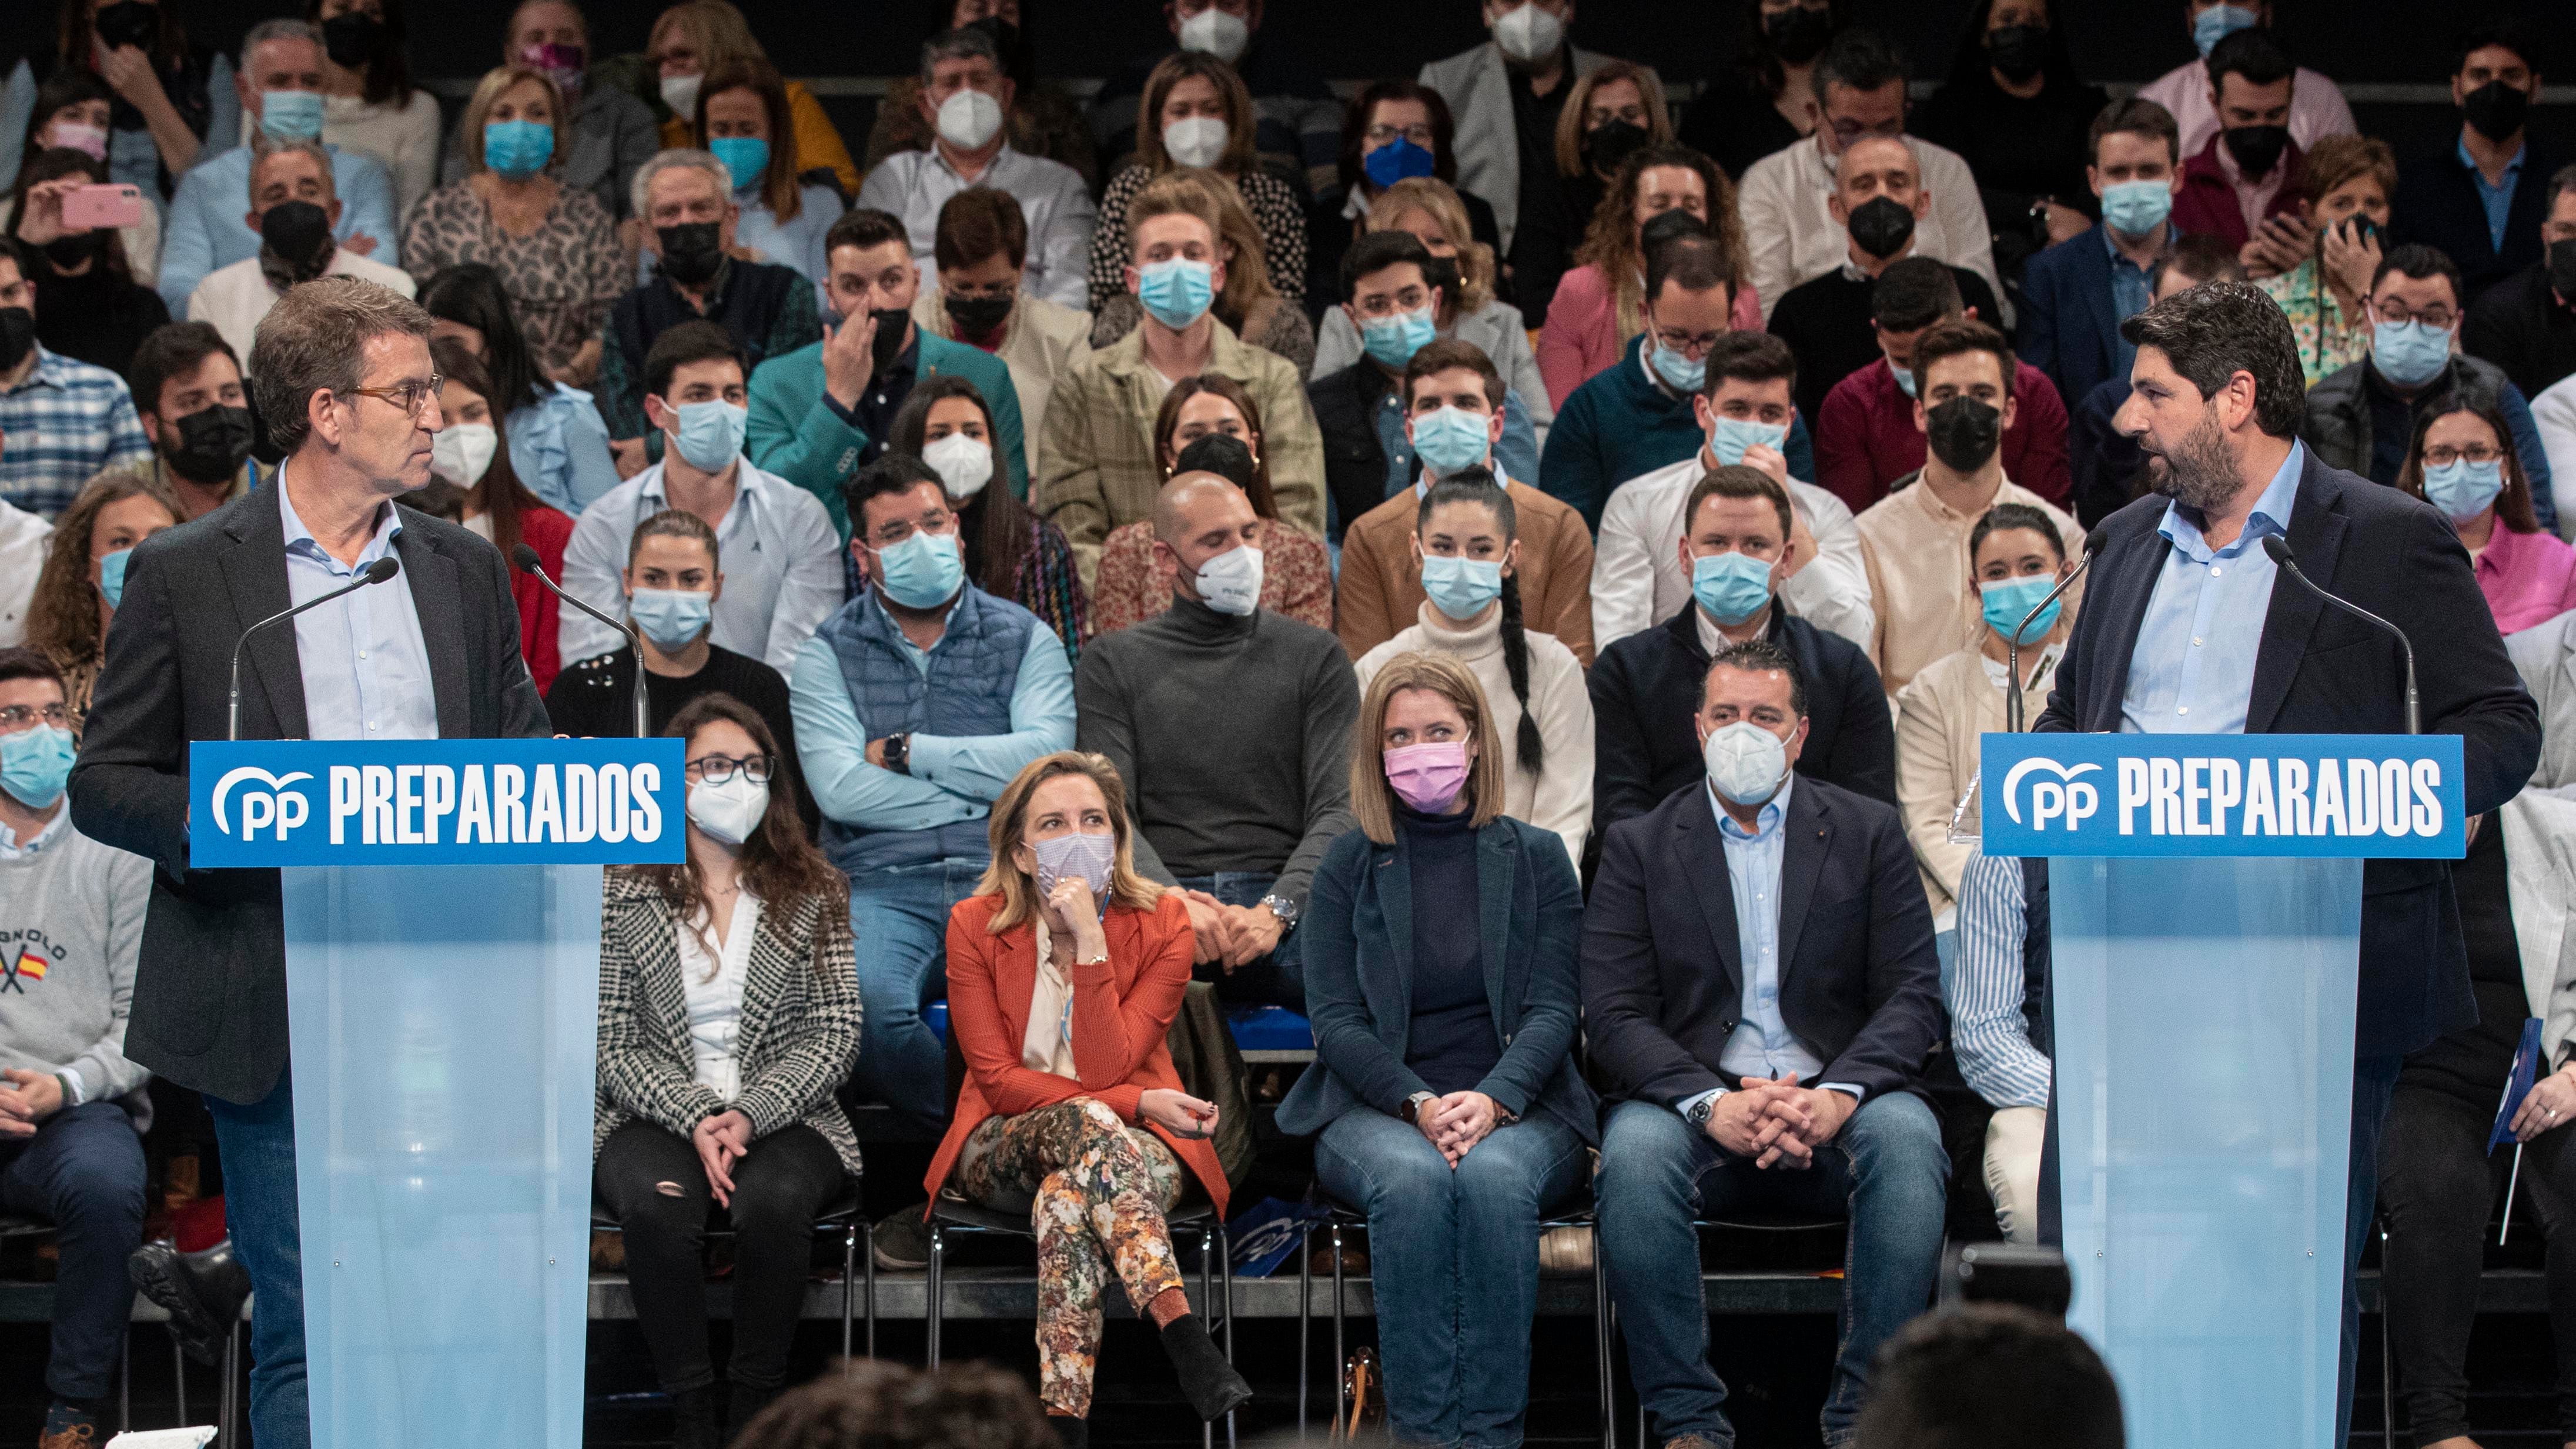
[342, 376]
[2190, 627]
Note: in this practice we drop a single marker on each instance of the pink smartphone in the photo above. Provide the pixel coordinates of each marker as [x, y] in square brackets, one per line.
[102, 207]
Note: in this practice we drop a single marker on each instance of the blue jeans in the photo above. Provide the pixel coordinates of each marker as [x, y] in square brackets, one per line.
[1276, 979]
[83, 1172]
[258, 1146]
[1454, 1255]
[899, 921]
[1886, 1172]
[2374, 1086]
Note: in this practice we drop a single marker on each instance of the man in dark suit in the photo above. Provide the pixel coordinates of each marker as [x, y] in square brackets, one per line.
[341, 372]
[2075, 294]
[2186, 630]
[1760, 991]
[2480, 198]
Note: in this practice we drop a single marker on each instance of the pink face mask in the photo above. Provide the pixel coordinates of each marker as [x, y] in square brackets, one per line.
[1428, 777]
[82, 137]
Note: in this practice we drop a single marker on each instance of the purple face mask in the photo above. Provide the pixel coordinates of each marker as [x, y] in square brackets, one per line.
[1076, 856]
[1428, 777]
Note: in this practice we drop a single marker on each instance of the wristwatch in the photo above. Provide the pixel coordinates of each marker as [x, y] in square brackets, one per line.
[1284, 908]
[1413, 1107]
[1699, 1110]
[898, 754]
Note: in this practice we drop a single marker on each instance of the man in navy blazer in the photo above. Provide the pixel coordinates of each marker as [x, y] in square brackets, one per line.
[2186, 629]
[2075, 295]
[1760, 992]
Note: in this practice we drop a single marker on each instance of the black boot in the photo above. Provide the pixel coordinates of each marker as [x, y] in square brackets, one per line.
[693, 1419]
[1070, 1432]
[748, 1400]
[1213, 1387]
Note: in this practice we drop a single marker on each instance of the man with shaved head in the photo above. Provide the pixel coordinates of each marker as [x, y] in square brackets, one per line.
[1231, 727]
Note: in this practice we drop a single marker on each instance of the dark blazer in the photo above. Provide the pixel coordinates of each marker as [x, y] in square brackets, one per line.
[1663, 969]
[210, 990]
[1646, 692]
[2320, 671]
[1346, 404]
[2522, 327]
[2437, 204]
[1359, 979]
[2070, 323]
[2105, 463]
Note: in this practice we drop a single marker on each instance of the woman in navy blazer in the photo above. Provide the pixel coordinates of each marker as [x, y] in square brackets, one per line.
[1440, 974]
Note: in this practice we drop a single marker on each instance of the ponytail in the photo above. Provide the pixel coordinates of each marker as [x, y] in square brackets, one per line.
[1532, 749]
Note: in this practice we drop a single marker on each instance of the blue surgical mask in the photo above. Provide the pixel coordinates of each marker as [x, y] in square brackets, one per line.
[2008, 601]
[2219, 22]
[1451, 438]
[1461, 587]
[1904, 378]
[1733, 587]
[34, 764]
[1728, 440]
[1397, 160]
[111, 577]
[1178, 292]
[2135, 208]
[923, 571]
[1392, 341]
[291, 115]
[1681, 374]
[672, 618]
[710, 433]
[517, 149]
[2462, 489]
[747, 157]
[2409, 354]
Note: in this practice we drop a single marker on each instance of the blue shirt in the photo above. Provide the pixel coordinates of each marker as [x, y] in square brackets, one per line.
[2192, 672]
[559, 448]
[1516, 453]
[2498, 200]
[205, 229]
[1983, 988]
[366, 667]
[2131, 293]
[63, 425]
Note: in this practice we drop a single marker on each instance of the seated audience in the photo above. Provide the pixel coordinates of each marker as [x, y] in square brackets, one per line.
[179, 102]
[1808, 1104]
[1787, 197]
[915, 706]
[1467, 544]
[776, 544]
[684, 200]
[1209, 424]
[472, 456]
[25, 540]
[697, 37]
[1458, 1120]
[558, 441]
[189, 396]
[1453, 418]
[1915, 541]
[1830, 321]
[82, 579]
[2016, 556]
[516, 210]
[2108, 467]
[2545, 657]
[2526, 322]
[2462, 461]
[2553, 415]
[1098, 465]
[1067, 967]
[825, 410]
[63, 422]
[742, 119]
[1011, 553]
[280, 94]
[1615, 110]
[293, 209]
[1995, 989]
[609, 132]
[2319, 110]
[73, 111]
[966, 97]
[1247, 302]
[1396, 130]
[1643, 414]
[1601, 305]
[1296, 114]
[2015, 110]
[1639, 579]
[2006, 1378]
[1043, 118]
[2344, 186]
[982, 298]
[2480, 200]
[879, 1404]
[728, 1015]
[72, 1150]
[2075, 295]
[90, 305]
[1866, 435]
[1195, 114]
[1240, 831]
[369, 104]
[2238, 185]
[1462, 268]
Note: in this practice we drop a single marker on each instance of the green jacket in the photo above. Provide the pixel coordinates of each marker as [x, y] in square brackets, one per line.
[798, 434]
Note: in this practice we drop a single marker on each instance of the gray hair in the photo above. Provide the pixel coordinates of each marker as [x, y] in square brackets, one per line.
[661, 161]
[264, 147]
[315, 340]
[963, 44]
[268, 30]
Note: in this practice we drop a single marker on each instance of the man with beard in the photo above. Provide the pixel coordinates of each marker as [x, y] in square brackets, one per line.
[188, 390]
[295, 209]
[2188, 630]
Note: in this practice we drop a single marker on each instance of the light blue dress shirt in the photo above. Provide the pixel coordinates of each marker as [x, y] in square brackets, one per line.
[1983, 988]
[2192, 672]
[205, 229]
[2498, 200]
[2131, 293]
[559, 448]
[366, 667]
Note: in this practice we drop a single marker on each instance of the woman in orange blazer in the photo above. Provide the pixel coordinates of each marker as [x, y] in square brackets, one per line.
[1065, 969]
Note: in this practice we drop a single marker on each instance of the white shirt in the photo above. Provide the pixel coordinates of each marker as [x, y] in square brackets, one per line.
[24, 538]
[49, 833]
[1637, 575]
[1053, 200]
[237, 297]
[711, 985]
[1795, 239]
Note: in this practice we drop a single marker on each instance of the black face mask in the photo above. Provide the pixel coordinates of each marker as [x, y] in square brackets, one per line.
[1610, 143]
[351, 39]
[2496, 110]
[691, 251]
[1798, 34]
[1964, 433]
[296, 237]
[1881, 226]
[978, 316]
[888, 344]
[128, 22]
[2017, 52]
[211, 445]
[2257, 149]
[2562, 270]
[17, 336]
[68, 252]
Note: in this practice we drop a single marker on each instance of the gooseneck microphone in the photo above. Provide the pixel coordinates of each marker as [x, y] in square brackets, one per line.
[374, 573]
[2288, 562]
[2012, 646]
[528, 562]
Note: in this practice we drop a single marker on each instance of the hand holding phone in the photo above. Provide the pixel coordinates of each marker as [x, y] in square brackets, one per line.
[102, 208]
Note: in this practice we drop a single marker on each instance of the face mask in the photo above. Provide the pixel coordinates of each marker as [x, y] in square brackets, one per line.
[1450, 439]
[964, 464]
[517, 149]
[128, 22]
[90, 141]
[1392, 341]
[562, 64]
[1397, 160]
[2409, 354]
[1077, 855]
[923, 571]
[461, 452]
[1528, 34]
[691, 251]
[2562, 269]
[17, 336]
[1728, 440]
[2008, 601]
[2135, 208]
[729, 812]
[1798, 34]
[351, 39]
[1461, 588]
[68, 252]
[212, 444]
[746, 158]
[1429, 776]
[680, 93]
[291, 115]
[1196, 140]
[1177, 292]
[1747, 763]
[672, 618]
[969, 119]
[1611, 143]
[710, 433]
[1904, 378]
[887, 344]
[1964, 433]
[2257, 148]
[1881, 226]
[1230, 583]
[1214, 32]
[1733, 587]
[111, 577]
[2017, 52]
[298, 235]
[34, 763]
[2217, 23]
[2462, 489]
[978, 316]
[1681, 374]
[2496, 110]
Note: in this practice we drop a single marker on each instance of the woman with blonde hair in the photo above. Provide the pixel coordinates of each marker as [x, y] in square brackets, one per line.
[694, 39]
[1600, 307]
[83, 579]
[1065, 970]
[1196, 113]
[2344, 186]
[1440, 977]
[1250, 304]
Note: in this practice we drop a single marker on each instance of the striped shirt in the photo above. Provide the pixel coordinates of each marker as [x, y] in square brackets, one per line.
[1982, 987]
[67, 423]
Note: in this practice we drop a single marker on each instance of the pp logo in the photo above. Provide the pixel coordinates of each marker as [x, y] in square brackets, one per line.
[2065, 798]
[278, 809]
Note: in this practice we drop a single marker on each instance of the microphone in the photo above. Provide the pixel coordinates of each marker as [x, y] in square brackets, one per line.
[374, 573]
[2012, 647]
[2288, 562]
[528, 562]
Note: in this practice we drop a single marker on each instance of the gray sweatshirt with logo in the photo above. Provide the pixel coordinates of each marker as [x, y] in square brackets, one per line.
[71, 926]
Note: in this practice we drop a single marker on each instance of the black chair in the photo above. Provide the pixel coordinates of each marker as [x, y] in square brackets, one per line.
[842, 1216]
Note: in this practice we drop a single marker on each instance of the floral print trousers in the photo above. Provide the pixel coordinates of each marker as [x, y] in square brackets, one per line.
[1101, 1189]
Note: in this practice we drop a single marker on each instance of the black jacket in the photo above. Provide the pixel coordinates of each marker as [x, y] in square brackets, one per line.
[210, 990]
[1346, 404]
[2519, 325]
[2437, 204]
[2318, 671]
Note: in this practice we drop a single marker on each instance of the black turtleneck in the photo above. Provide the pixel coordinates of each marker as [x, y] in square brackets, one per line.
[1452, 1044]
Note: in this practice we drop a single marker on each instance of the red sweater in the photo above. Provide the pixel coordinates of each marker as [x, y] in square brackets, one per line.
[546, 531]
[1866, 438]
[2207, 204]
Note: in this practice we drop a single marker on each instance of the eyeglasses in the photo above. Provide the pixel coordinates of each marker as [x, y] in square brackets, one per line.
[2439, 456]
[1690, 344]
[716, 769]
[19, 716]
[1384, 135]
[411, 397]
[2437, 317]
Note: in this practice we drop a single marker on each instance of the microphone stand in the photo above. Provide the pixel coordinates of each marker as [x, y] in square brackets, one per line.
[374, 573]
[2012, 646]
[2288, 562]
[528, 562]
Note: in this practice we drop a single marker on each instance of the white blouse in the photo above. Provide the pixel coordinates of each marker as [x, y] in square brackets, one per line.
[1048, 1045]
[712, 987]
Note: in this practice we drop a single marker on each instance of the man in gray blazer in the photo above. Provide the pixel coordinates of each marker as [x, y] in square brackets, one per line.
[2545, 656]
[341, 373]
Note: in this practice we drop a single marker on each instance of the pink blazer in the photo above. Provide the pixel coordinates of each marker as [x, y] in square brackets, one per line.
[1582, 333]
